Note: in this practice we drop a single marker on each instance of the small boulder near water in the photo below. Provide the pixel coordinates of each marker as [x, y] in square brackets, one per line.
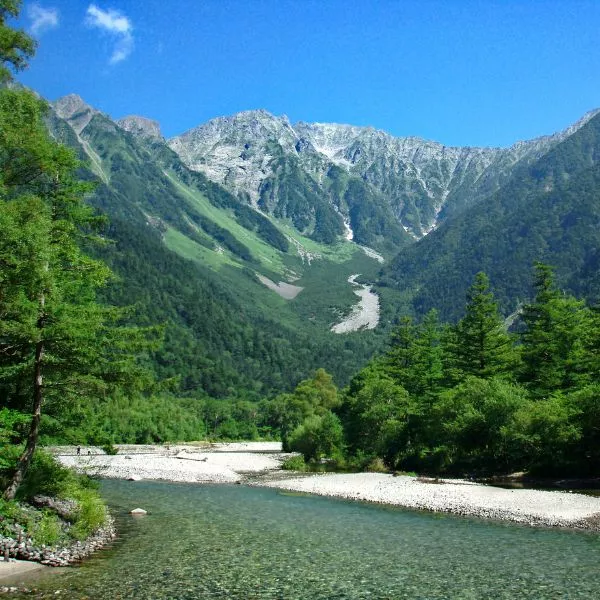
[134, 478]
[138, 511]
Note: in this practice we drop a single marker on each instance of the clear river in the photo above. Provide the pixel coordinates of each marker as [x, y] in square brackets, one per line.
[233, 541]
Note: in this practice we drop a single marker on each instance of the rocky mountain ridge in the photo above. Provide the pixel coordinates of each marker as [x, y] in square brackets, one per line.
[331, 180]
[74, 109]
[421, 181]
[141, 126]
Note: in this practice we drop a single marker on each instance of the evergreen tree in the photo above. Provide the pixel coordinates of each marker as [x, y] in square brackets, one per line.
[50, 322]
[57, 344]
[415, 359]
[15, 45]
[481, 345]
[557, 338]
[428, 364]
[400, 360]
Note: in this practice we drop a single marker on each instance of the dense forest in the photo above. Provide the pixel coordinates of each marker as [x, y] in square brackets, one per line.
[472, 398]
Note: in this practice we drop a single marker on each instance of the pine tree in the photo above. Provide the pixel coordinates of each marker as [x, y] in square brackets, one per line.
[481, 345]
[415, 359]
[556, 344]
[429, 356]
[399, 360]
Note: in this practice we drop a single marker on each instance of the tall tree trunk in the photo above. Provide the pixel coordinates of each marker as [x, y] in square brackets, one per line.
[38, 399]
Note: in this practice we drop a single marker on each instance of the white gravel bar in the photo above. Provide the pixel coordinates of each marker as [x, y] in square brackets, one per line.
[222, 463]
[531, 507]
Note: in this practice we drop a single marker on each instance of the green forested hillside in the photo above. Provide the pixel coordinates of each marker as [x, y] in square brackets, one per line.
[216, 340]
[549, 211]
[473, 398]
[186, 254]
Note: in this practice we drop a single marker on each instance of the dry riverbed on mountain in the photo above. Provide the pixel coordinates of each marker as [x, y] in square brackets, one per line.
[365, 314]
[259, 463]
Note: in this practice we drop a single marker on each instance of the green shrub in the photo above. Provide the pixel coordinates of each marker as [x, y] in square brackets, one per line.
[45, 476]
[10, 512]
[376, 465]
[47, 530]
[9, 455]
[294, 463]
[110, 449]
[317, 437]
[91, 514]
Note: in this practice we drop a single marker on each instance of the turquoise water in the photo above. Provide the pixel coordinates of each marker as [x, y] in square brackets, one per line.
[220, 541]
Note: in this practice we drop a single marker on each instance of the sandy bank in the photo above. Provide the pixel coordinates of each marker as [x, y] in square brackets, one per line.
[13, 572]
[531, 507]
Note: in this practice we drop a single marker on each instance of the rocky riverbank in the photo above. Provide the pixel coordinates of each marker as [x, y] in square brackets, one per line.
[257, 464]
[23, 548]
[21, 558]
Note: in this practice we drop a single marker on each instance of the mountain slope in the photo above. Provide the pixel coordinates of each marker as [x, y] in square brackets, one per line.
[547, 211]
[188, 254]
[262, 262]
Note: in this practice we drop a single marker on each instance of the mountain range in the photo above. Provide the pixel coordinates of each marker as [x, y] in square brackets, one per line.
[420, 183]
[232, 215]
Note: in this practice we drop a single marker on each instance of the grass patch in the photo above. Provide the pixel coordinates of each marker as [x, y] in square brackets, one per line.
[182, 245]
[42, 526]
[90, 516]
[269, 256]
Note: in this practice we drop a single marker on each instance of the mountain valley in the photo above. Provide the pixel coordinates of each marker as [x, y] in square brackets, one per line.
[269, 221]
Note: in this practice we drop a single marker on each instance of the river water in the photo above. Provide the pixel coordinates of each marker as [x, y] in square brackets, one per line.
[234, 541]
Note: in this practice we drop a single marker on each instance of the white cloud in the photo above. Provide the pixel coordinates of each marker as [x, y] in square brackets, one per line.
[41, 18]
[115, 24]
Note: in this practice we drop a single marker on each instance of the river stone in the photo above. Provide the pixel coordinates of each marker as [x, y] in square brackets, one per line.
[138, 511]
[134, 478]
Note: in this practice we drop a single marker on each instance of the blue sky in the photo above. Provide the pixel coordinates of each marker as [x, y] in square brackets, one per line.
[463, 72]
